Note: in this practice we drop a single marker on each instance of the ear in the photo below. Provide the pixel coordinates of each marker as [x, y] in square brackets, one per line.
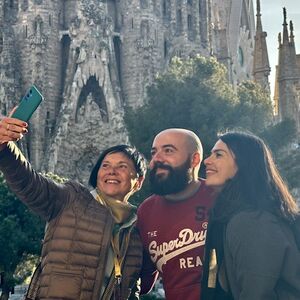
[139, 183]
[196, 160]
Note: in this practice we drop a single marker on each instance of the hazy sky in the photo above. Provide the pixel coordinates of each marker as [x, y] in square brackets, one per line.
[272, 19]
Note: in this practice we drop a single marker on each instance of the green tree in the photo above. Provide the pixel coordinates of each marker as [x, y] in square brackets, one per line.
[254, 109]
[279, 136]
[21, 234]
[195, 94]
[287, 154]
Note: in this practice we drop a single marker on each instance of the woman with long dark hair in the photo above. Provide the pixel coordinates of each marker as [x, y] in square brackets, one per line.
[251, 249]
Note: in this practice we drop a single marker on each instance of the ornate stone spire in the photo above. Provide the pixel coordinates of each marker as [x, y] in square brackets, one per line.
[285, 38]
[261, 66]
[258, 17]
[291, 32]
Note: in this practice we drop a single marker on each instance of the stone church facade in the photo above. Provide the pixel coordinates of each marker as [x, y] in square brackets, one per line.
[90, 58]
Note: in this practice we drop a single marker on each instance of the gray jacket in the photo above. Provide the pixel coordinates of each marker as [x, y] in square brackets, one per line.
[261, 258]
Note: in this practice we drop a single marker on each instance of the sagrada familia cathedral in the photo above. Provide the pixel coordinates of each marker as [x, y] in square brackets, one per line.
[90, 58]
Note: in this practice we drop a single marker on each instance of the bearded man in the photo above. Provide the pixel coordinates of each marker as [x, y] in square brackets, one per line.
[173, 221]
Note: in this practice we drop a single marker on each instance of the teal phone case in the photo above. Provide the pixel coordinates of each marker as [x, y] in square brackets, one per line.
[28, 104]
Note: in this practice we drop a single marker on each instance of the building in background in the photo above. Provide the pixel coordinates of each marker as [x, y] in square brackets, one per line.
[90, 58]
[261, 65]
[287, 84]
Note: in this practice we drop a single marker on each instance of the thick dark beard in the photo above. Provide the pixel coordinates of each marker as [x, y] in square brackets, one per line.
[175, 182]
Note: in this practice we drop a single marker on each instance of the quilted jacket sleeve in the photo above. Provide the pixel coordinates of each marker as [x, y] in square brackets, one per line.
[40, 194]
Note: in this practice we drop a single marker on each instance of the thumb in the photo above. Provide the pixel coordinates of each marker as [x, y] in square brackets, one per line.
[12, 111]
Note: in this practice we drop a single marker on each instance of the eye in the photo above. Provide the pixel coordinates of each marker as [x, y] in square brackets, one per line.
[152, 153]
[169, 150]
[218, 154]
[105, 165]
[123, 166]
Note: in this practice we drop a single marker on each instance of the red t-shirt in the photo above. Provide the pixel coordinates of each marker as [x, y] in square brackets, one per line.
[173, 234]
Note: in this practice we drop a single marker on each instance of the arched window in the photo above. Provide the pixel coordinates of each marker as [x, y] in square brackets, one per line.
[241, 56]
[165, 48]
[166, 9]
[144, 3]
[190, 22]
[1, 42]
[179, 21]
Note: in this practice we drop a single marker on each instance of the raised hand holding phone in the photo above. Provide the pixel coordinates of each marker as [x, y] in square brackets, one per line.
[13, 127]
[11, 130]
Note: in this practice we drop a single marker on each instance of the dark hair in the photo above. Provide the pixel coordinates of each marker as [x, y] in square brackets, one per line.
[137, 158]
[257, 183]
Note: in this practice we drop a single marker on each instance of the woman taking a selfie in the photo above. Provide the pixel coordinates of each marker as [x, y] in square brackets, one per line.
[91, 249]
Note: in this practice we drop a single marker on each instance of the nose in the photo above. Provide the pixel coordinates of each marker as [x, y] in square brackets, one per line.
[112, 169]
[157, 157]
[207, 161]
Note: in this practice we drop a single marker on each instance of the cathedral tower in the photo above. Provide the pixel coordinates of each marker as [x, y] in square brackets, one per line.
[261, 66]
[287, 85]
[233, 30]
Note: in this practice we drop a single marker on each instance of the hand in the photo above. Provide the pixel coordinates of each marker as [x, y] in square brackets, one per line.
[11, 129]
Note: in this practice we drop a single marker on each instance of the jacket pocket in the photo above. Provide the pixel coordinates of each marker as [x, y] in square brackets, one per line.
[65, 284]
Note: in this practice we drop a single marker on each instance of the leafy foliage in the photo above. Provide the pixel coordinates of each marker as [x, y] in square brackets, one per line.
[254, 110]
[290, 167]
[287, 154]
[21, 234]
[278, 136]
[195, 94]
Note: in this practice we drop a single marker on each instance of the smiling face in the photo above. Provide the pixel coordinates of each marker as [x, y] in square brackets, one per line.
[220, 165]
[171, 163]
[117, 176]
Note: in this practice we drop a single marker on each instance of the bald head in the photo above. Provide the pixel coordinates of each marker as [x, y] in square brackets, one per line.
[188, 137]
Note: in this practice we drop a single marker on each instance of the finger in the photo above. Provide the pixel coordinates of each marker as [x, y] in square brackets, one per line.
[12, 136]
[4, 125]
[16, 128]
[13, 124]
[14, 120]
[11, 129]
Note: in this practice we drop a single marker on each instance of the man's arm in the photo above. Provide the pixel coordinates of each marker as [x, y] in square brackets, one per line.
[149, 274]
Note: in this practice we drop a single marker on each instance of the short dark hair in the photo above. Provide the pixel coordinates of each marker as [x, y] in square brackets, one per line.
[132, 153]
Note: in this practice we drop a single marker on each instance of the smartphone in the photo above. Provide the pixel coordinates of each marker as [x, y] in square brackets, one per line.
[28, 104]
